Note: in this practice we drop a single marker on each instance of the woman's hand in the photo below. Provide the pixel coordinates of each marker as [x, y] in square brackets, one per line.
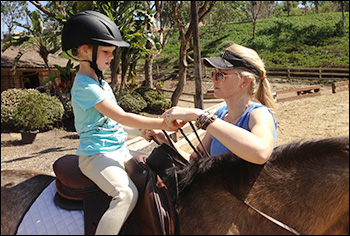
[193, 156]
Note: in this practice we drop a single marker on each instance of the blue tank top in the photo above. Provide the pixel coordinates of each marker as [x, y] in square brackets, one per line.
[217, 147]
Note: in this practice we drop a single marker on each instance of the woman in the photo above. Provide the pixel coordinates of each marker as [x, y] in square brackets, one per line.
[245, 125]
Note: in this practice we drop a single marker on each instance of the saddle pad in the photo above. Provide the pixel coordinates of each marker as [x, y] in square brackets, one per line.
[45, 218]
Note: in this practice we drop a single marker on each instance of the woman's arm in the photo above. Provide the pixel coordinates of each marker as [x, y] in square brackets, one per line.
[206, 141]
[255, 146]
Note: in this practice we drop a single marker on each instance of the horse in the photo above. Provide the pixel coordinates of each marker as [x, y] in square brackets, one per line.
[304, 186]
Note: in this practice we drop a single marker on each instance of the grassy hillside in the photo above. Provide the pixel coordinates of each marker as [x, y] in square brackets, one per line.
[316, 40]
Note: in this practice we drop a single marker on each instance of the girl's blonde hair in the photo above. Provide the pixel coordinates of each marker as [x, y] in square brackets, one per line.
[260, 87]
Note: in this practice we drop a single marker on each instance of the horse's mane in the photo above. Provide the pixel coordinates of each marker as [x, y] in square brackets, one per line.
[297, 154]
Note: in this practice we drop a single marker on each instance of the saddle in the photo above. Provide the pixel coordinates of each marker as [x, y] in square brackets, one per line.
[154, 212]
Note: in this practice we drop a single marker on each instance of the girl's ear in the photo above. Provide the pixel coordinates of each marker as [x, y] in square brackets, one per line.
[84, 50]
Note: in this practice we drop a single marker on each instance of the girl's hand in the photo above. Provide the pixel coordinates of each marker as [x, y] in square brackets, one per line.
[156, 134]
[172, 125]
[179, 115]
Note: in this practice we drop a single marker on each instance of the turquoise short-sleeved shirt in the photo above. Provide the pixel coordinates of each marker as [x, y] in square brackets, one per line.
[217, 147]
[98, 133]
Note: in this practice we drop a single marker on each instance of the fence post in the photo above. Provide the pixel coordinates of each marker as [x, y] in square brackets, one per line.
[288, 75]
[319, 73]
[157, 71]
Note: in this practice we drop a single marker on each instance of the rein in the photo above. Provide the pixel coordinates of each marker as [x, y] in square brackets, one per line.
[273, 220]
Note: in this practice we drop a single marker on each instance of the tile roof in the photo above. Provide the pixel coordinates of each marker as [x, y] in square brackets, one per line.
[31, 59]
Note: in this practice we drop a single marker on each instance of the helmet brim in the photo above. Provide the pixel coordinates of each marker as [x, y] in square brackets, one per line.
[111, 42]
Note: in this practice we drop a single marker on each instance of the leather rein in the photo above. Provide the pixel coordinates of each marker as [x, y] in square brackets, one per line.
[273, 220]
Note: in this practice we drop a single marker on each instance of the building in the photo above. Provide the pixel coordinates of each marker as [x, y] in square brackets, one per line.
[31, 70]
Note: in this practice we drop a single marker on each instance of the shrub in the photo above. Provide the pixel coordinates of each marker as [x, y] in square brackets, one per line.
[143, 99]
[156, 103]
[28, 109]
[9, 102]
[158, 106]
[131, 101]
[68, 118]
[37, 111]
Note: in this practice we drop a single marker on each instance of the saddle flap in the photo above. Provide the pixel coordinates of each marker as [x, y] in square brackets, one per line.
[154, 213]
[137, 171]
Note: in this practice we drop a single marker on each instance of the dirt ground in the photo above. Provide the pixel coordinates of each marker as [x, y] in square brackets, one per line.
[321, 116]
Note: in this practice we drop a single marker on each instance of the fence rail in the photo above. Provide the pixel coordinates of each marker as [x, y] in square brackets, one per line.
[308, 73]
[280, 72]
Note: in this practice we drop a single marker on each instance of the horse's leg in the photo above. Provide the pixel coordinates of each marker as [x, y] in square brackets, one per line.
[18, 191]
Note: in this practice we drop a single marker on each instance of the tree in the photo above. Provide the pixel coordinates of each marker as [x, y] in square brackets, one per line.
[289, 5]
[255, 10]
[185, 37]
[305, 4]
[342, 5]
[198, 100]
[12, 11]
[162, 15]
[43, 41]
[132, 29]
[126, 14]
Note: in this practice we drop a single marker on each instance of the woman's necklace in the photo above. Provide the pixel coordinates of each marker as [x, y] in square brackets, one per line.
[232, 120]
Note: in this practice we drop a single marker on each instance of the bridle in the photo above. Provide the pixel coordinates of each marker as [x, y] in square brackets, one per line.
[273, 220]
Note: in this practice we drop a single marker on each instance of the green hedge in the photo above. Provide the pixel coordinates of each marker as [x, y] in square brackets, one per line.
[143, 99]
[29, 109]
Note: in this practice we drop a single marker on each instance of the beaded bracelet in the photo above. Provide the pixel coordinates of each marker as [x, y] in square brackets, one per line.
[205, 119]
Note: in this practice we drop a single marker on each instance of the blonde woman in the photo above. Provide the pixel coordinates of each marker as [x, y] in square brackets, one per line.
[245, 125]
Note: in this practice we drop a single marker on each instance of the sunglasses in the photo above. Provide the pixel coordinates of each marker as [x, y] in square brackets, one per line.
[218, 77]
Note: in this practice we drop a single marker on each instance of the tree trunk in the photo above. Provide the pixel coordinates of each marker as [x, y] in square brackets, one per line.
[56, 87]
[198, 99]
[148, 67]
[316, 6]
[254, 25]
[115, 67]
[125, 63]
[342, 12]
[114, 75]
[182, 75]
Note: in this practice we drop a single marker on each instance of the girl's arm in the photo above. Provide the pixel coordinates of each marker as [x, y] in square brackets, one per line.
[160, 137]
[132, 132]
[116, 113]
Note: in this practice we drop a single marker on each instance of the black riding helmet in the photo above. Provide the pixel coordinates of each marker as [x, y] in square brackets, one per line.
[90, 27]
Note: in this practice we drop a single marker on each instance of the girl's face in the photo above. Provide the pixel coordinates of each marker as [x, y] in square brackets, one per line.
[104, 56]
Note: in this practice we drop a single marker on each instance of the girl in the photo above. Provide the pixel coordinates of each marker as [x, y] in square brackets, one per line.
[92, 37]
[244, 126]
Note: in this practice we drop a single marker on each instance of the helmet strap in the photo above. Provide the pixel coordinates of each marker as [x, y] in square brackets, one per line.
[93, 64]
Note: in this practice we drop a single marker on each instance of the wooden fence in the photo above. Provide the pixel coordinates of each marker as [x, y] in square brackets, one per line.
[272, 72]
[308, 73]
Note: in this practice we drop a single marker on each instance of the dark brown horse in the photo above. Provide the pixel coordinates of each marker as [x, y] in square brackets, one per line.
[305, 185]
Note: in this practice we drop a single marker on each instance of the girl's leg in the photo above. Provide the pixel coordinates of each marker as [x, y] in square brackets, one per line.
[109, 174]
